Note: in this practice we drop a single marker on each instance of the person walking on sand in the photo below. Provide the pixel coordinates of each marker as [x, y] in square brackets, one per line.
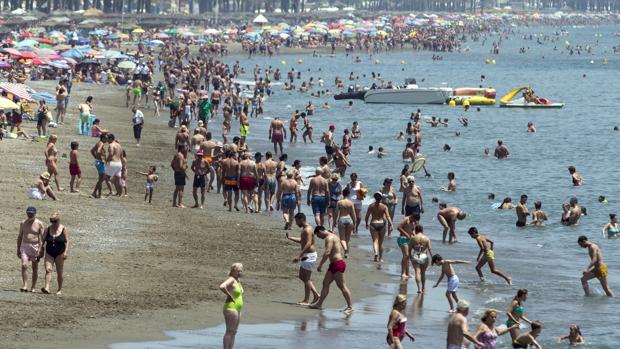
[335, 271]
[458, 329]
[56, 247]
[289, 198]
[51, 160]
[201, 168]
[522, 211]
[29, 245]
[486, 255]
[270, 180]
[448, 216]
[74, 168]
[179, 166]
[307, 258]
[248, 179]
[397, 323]
[453, 280]
[138, 123]
[233, 305]
[317, 196]
[487, 333]
[229, 168]
[596, 269]
[151, 178]
[379, 221]
[114, 164]
[419, 250]
[99, 154]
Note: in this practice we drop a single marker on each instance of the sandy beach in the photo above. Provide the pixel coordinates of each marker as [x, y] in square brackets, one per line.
[136, 269]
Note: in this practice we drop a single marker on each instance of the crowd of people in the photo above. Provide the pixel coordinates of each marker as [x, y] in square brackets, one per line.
[198, 89]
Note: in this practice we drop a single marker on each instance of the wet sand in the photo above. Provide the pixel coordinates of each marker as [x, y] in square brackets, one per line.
[136, 269]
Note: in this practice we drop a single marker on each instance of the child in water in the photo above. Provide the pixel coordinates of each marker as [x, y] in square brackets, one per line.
[453, 279]
[527, 340]
[574, 336]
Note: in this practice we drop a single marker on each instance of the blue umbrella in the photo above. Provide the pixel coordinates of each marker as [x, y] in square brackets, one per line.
[82, 41]
[73, 53]
[58, 64]
[44, 96]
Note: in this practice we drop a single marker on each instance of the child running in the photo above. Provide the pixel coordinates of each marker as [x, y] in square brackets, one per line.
[151, 178]
[74, 168]
[453, 279]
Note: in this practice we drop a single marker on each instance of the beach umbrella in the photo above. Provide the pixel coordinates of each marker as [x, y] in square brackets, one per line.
[38, 62]
[138, 31]
[99, 32]
[93, 12]
[11, 51]
[26, 35]
[26, 43]
[44, 96]
[58, 64]
[162, 35]
[6, 103]
[28, 55]
[154, 43]
[45, 41]
[212, 31]
[171, 31]
[260, 19]
[4, 64]
[123, 36]
[188, 33]
[284, 36]
[128, 65]
[73, 53]
[19, 11]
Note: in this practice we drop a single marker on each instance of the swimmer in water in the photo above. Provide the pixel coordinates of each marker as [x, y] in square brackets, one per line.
[611, 229]
[486, 255]
[446, 147]
[381, 153]
[530, 127]
[575, 177]
[602, 200]
[529, 339]
[506, 204]
[401, 136]
[464, 121]
[453, 280]
[574, 336]
[538, 216]
[371, 150]
[451, 183]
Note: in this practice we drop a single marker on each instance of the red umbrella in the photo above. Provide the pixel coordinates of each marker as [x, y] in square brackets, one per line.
[45, 41]
[28, 55]
[26, 35]
[38, 62]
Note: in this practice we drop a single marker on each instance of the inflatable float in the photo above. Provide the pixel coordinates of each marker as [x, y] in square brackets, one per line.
[508, 102]
[475, 96]
[473, 100]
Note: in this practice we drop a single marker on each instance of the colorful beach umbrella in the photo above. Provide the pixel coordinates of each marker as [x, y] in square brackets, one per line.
[6, 103]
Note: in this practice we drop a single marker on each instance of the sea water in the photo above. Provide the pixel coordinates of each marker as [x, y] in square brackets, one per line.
[545, 260]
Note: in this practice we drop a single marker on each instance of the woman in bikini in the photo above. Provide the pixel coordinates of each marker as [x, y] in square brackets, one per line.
[379, 215]
[51, 157]
[340, 160]
[515, 313]
[389, 198]
[403, 178]
[420, 250]
[346, 216]
[538, 216]
[335, 194]
[611, 230]
[56, 248]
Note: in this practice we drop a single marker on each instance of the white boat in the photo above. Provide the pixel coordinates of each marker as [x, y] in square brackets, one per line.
[410, 94]
[521, 103]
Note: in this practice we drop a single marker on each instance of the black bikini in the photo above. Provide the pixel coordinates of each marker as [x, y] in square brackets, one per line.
[55, 245]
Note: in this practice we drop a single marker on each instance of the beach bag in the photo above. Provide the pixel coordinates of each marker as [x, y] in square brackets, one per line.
[48, 116]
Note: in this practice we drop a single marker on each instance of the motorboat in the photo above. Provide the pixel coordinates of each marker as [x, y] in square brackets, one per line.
[509, 101]
[410, 93]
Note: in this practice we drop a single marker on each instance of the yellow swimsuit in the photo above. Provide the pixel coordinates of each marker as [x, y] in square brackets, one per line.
[237, 301]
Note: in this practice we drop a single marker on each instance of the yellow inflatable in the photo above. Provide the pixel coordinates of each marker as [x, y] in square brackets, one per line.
[300, 61]
[471, 100]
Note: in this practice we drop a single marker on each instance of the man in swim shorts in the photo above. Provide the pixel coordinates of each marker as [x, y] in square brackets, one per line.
[179, 166]
[248, 179]
[412, 203]
[29, 243]
[270, 180]
[98, 153]
[201, 168]
[289, 197]
[458, 329]
[328, 140]
[486, 255]
[447, 217]
[230, 172]
[522, 212]
[317, 195]
[277, 134]
[307, 258]
[336, 269]
[596, 269]
[114, 165]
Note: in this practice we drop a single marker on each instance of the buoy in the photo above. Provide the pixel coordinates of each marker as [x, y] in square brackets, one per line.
[466, 103]
[452, 103]
[283, 62]
[605, 61]
[402, 61]
[592, 62]
[300, 61]
[377, 61]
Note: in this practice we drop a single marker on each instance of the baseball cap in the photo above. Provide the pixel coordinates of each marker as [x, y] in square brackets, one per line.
[31, 210]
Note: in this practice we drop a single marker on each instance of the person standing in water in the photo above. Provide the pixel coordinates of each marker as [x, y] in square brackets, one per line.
[487, 333]
[458, 329]
[317, 196]
[406, 229]
[448, 216]
[419, 250]
[346, 215]
[575, 177]
[486, 255]
[335, 271]
[522, 212]
[515, 313]
[538, 216]
[380, 216]
[397, 323]
[307, 258]
[234, 304]
[611, 230]
[527, 340]
[596, 269]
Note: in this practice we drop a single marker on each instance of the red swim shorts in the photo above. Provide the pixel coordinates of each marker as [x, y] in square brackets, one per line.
[247, 183]
[338, 266]
[74, 170]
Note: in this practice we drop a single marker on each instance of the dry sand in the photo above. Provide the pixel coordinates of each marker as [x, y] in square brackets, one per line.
[136, 269]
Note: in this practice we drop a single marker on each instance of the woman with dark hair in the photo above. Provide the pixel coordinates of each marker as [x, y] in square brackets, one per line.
[515, 313]
[379, 216]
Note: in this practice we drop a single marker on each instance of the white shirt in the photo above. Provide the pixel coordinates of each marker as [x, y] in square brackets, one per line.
[138, 118]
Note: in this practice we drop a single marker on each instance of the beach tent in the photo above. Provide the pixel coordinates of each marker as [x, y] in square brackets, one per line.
[260, 19]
